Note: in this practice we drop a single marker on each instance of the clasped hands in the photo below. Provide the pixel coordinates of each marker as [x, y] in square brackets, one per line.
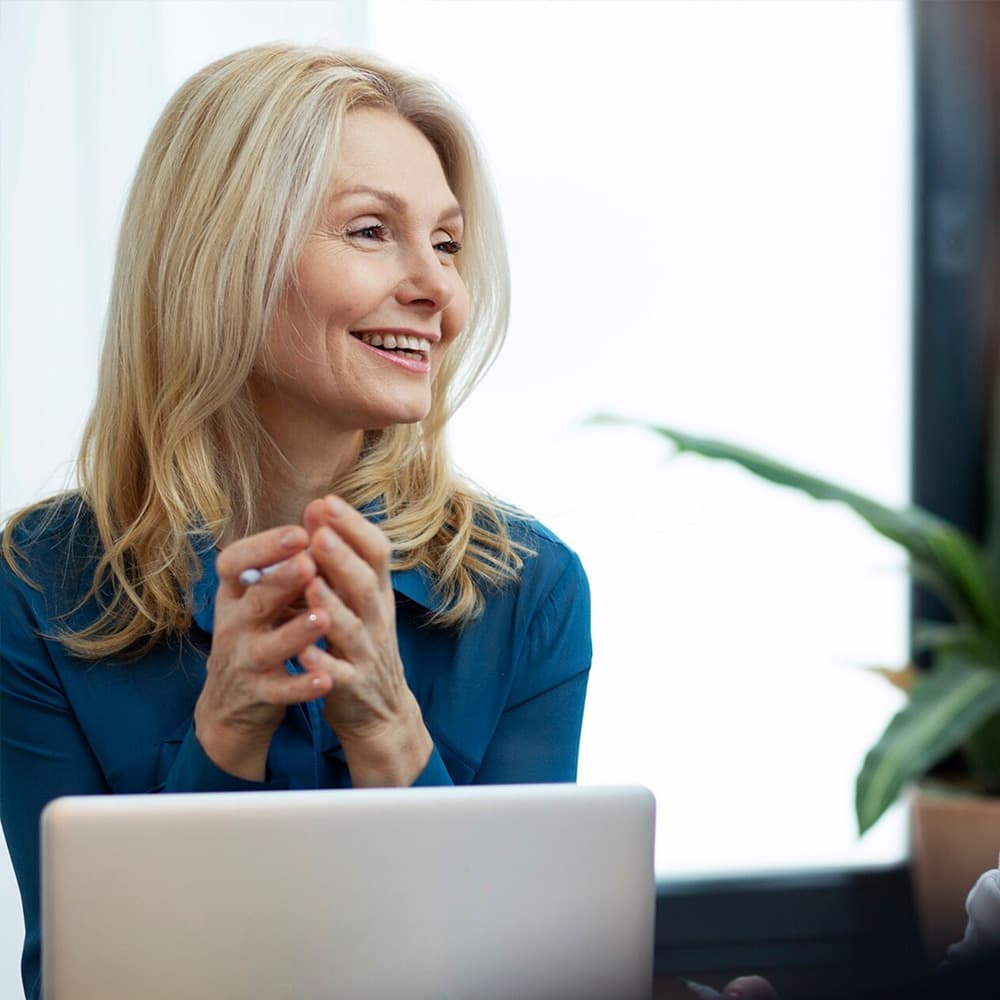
[331, 581]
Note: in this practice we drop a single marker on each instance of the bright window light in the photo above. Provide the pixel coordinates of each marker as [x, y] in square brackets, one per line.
[708, 209]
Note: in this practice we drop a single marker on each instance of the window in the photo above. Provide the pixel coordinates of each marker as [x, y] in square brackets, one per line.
[708, 210]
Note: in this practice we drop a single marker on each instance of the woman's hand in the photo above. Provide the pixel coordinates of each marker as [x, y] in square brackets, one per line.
[247, 686]
[742, 988]
[370, 706]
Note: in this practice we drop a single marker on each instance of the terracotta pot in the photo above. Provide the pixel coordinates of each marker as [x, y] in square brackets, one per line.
[954, 838]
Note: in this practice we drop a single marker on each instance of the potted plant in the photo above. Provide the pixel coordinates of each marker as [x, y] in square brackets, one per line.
[952, 706]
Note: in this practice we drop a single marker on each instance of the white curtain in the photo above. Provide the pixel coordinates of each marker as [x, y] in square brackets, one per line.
[83, 83]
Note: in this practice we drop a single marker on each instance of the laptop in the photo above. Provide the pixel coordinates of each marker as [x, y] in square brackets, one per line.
[519, 892]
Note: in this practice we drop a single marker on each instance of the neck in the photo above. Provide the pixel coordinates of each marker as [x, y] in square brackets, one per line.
[296, 472]
[300, 461]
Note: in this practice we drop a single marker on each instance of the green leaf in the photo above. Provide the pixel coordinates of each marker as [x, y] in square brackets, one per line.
[945, 706]
[966, 639]
[960, 554]
[944, 555]
[992, 545]
[946, 589]
[982, 754]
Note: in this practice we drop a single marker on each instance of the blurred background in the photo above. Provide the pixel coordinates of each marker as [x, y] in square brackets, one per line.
[709, 207]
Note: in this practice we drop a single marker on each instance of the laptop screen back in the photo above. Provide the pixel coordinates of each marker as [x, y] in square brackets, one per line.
[536, 892]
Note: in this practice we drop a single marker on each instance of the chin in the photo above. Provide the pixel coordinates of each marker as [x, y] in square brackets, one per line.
[401, 415]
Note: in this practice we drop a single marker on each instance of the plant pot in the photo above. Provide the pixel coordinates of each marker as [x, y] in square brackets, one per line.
[954, 838]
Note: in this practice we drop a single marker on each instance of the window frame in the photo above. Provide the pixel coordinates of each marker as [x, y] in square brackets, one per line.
[827, 933]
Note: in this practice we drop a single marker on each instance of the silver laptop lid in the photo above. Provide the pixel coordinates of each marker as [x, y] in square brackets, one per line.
[534, 892]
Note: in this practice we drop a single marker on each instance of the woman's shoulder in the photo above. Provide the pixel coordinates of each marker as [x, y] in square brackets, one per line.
[528, 530]
[549, 563]
[55, 539]
[59, 521]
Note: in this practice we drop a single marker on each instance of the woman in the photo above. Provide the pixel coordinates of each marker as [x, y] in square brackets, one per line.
[270, 577]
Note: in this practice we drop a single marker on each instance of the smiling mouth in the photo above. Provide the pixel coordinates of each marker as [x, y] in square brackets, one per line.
[400, 345]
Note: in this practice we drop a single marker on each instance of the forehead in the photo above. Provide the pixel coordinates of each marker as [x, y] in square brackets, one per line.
[381, 149]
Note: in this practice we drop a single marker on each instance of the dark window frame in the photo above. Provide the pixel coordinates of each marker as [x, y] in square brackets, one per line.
[827, 933]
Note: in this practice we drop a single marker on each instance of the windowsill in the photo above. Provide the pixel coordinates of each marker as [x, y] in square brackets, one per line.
[808, 932]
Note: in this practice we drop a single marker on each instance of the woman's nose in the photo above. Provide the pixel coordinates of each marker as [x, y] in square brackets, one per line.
[427, 282]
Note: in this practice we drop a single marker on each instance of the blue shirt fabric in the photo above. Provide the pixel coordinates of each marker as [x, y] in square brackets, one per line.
[501, 697]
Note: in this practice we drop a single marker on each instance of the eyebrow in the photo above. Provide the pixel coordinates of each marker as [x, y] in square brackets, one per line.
[396, 203]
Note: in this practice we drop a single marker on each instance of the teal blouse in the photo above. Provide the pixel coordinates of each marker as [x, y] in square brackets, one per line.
[501, 697]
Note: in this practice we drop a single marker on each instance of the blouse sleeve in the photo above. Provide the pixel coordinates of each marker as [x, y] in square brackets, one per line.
[43, 752]
[538, 735]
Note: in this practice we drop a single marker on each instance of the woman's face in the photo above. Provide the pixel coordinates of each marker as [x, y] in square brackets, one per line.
[379, 297]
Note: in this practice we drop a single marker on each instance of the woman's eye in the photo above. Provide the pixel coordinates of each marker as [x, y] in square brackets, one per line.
[376, 231]
[448, 246]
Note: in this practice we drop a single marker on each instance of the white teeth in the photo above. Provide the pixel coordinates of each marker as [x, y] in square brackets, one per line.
[392, 341]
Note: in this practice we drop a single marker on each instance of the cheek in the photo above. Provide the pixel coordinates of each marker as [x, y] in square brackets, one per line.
[337, 290]
[285, 344]
[456, 315]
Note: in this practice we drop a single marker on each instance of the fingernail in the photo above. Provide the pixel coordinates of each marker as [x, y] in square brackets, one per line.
[336, 506]
[316, 682]
[313, 620]
[701, 991]
[330, 541]
[290, 538]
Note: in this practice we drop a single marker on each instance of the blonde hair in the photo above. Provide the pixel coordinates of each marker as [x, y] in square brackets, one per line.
[229, 186]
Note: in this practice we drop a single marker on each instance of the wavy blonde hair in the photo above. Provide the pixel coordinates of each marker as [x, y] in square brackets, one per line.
[229, 186]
